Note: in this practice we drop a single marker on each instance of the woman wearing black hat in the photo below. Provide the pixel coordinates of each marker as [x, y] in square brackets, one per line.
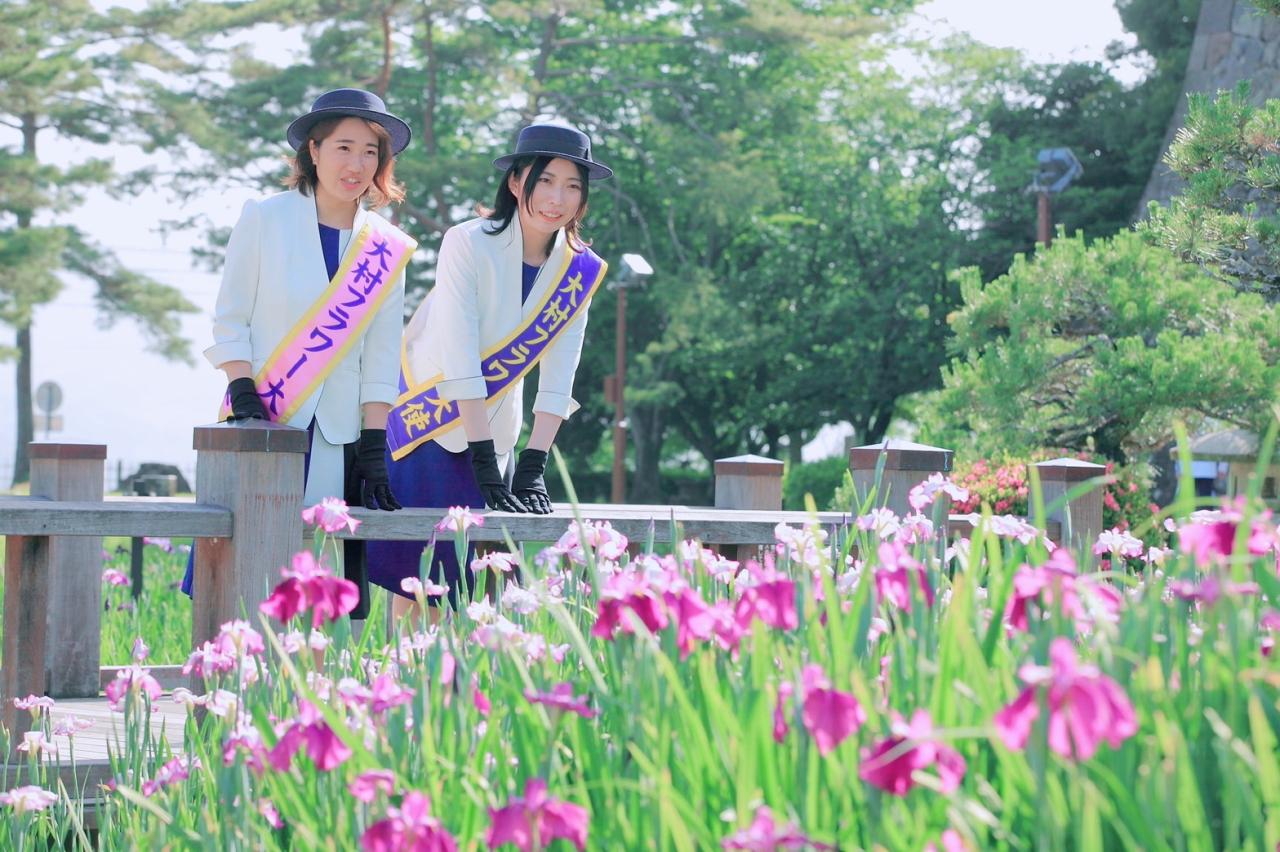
[308, 319]
[512, 291]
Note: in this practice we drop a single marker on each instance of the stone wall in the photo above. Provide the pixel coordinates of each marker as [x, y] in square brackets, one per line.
[1233, 42]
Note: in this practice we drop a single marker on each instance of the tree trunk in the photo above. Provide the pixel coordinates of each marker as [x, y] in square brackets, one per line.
[794, 447]
[646, 432]
[21, 459]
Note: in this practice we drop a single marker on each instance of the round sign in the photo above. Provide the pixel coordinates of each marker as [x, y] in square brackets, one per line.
[48, 397]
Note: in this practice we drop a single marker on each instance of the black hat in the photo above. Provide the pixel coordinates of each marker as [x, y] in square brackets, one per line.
[556, 140]
[355, 102]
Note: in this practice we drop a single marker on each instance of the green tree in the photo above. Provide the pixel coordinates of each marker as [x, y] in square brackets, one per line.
[71, 71]
[1226, 219]
[1099, 347]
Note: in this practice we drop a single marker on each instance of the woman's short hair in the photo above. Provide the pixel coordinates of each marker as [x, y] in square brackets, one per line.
[383, 190]
[504, 205]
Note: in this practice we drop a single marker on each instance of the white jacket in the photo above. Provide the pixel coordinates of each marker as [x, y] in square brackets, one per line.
[274, 272]
[475, 305]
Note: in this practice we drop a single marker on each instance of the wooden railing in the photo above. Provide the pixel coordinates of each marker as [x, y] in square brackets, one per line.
[246, 523]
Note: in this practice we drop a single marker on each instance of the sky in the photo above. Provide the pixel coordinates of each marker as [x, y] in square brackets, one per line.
[143, 407]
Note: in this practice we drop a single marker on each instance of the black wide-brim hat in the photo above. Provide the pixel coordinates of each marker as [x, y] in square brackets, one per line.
[353, 102]
[556, 140]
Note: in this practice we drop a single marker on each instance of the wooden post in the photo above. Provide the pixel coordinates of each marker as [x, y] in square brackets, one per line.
[73, 620]
[906, 465]
[1081, 518]
[26, 606]
[748, 482]
[255, 469]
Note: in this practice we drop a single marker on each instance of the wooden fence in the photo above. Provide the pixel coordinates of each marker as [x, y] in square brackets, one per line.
[246, 522]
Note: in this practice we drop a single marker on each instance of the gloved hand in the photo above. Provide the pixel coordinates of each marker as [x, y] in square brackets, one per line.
[245, 402]
[484, 461]
[528, 484]
[371, 468]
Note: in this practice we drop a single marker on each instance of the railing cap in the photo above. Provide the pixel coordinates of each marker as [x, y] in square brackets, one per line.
[46, 450]
[901, 455]
[1067, 469]
[748, 465]
[250, 436]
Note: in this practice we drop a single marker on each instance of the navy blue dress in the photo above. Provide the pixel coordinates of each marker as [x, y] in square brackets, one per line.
[432, 477]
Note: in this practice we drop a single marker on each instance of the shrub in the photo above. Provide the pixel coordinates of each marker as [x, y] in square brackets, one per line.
[819, 478]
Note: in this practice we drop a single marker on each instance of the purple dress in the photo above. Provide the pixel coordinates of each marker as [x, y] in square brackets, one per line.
[431, 477]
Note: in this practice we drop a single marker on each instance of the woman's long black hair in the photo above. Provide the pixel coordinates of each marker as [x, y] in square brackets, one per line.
[504, 205]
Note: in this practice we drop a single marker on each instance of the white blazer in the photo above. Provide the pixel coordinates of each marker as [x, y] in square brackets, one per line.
[274, 272]
[475, 305]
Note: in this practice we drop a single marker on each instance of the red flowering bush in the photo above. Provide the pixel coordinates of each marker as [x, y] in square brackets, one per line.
[1004, 485]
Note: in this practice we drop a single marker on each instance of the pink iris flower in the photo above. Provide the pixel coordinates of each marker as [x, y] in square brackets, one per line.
[115, 577]
[325, 748]
[1085, 706]
[561, 697]
[1270, 621]
[459, 519]
[926, 492]
[771, 597]
[29, 799]
[409, 827]
[763, 835]
[386, 692]
[309, 585]
[891, 763]
[131, 680]
[830, 716]
[330, 515]
[365, 786]
[171, 773]
[34, 703]
[893, 576]
[627, 591]
[532, 821]
[1210, 590]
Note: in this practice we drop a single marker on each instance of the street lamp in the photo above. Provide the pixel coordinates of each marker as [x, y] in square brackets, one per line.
[1056, 168]
[635, 269]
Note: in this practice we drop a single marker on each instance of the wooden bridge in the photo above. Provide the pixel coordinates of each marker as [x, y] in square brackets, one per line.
[246, 522]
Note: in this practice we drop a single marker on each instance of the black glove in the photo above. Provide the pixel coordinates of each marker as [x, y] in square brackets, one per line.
[484, 461]
[528, 485]
[245, 402]
[371, 468]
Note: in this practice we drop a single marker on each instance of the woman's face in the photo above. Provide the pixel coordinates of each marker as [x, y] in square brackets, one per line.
[555, 198]
[346, 160]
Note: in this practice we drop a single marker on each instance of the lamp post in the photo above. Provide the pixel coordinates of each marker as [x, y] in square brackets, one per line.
[635, 269]
[1056, 168]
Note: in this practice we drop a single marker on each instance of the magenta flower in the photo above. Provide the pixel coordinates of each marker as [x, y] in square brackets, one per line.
[1048, 585]
[1210, 590]
[894, 574]
[209, 659]
[386, 692]
[951, 842]
[459, 519]
[365, 786]
[1270, 621]
[309, 585]
[891, 763]
[238, 637]
[131, 680]
[171, 773]
[830, 716]
[771, 598]
[763, 836]
[481, 701]
[1209, 544]
[409, 827]
[325, 748]
[535, 819]
[623, 592]
[1085, 706]
[114, 577]
[780, 725]
[330, 515]
[562, 698]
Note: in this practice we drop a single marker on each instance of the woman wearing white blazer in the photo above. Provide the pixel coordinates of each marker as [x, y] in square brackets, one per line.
[512, 289]
[294, 305]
